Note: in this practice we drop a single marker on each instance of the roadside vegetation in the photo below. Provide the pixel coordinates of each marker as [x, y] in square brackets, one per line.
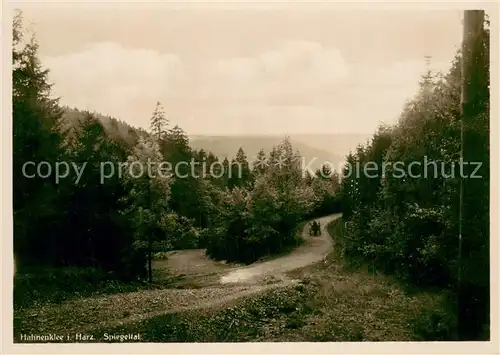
[331, 302]
[408, 226]
[393, 275]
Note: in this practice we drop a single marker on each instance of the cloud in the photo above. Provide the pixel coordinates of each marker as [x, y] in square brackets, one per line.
[287, 74]
[108, 68]
[297, 86]
[305, 63]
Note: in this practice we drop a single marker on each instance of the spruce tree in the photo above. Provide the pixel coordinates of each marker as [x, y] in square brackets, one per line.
[159, 122]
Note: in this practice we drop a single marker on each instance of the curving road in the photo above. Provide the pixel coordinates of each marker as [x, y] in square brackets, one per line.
[315, 249]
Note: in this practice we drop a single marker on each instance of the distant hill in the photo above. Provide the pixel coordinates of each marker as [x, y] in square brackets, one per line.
[227, 146]
[338, 143]
[113, 126]
[315, 148]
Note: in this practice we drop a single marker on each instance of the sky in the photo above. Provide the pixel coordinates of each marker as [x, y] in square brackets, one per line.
[242, 70]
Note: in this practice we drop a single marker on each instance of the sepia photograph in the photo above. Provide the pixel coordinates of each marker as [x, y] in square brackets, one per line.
[224, 173]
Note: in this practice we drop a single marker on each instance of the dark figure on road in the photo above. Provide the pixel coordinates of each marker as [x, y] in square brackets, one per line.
[318, 228]
[315, 228]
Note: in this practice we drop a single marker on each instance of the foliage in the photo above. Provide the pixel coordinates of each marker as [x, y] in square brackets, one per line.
[408, 225]
[71, 222]
[262, 216]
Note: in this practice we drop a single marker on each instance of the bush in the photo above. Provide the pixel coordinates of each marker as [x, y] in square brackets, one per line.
[436, 325]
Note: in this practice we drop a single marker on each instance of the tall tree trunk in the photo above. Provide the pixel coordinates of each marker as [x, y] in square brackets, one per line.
[472, 297]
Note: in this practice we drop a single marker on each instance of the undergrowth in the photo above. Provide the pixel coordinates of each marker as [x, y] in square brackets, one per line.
[434, 322]
[332, 302]
[55, 285]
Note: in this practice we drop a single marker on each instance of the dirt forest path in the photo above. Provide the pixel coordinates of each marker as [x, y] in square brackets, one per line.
[229, 283]
[313, 250]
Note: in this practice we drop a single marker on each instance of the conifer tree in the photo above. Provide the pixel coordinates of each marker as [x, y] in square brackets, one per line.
[36, 138]
[159, 122]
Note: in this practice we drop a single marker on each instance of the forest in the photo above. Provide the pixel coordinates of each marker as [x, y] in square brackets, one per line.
[241, 214]
[109, 232]
[409, 227]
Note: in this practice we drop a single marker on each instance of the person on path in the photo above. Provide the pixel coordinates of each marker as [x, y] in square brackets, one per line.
[318, 228]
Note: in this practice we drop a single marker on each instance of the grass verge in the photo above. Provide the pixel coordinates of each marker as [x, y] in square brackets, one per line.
[55, 285]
